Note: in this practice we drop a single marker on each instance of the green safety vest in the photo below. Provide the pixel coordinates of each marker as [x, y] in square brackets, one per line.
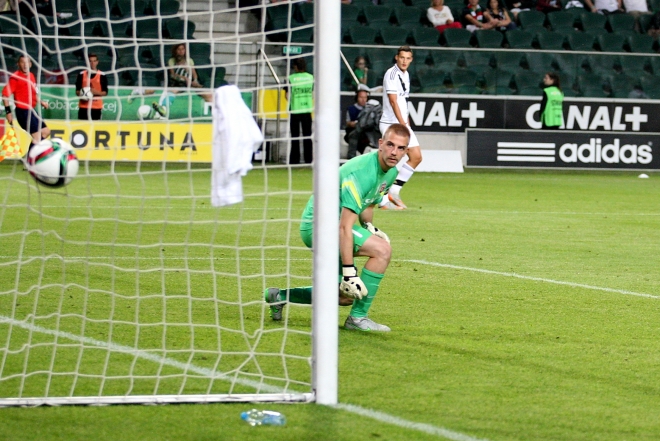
[552, 115]
[301, 97]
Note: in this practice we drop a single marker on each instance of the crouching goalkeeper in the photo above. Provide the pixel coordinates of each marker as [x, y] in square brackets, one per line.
[364, 181]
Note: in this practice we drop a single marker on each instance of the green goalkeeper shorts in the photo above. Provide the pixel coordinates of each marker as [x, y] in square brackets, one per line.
[360, 236]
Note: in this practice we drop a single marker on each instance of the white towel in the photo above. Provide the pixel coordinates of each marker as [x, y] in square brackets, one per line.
[236, 136]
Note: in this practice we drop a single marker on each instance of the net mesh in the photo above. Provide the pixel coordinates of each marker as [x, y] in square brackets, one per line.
[127, 285]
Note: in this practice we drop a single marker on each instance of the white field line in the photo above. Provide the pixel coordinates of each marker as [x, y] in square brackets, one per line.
[426, 428]
[210, 373]
[535, 279]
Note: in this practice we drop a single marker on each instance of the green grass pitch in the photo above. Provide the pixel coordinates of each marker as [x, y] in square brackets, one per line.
[524, 306]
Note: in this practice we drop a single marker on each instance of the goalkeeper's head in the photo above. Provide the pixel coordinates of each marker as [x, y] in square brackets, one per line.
[393, 146]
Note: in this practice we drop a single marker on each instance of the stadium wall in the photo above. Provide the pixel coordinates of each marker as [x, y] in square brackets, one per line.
[442, 121]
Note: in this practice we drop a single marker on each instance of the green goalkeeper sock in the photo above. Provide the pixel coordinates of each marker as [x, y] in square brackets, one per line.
[301, 295]
[372, 281]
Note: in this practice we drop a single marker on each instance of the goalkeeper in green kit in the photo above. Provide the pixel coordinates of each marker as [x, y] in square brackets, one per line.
[364, 181]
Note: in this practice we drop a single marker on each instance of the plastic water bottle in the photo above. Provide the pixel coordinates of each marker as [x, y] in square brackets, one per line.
[256, 417]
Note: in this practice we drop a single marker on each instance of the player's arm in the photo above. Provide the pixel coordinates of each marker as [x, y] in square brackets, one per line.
[43, 103]
[10, 117]
[366, 218]
[544, 102]
[104, 86]
[351, 284]
[350, 123]
[78, 83]
[392, 97]
[347, 219]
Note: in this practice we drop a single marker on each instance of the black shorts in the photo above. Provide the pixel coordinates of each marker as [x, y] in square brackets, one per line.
[85, 114]
[29, 120]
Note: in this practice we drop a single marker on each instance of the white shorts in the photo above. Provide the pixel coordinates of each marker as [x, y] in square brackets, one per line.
[413, 139]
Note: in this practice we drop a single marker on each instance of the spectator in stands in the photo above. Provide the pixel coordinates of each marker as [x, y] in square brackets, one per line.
[517, 6]
[355, 143]
[548, 6]
[301, 105]
[604, 6]
[23, 86]
[499, 16]
[636, 8]
[96, 81]
[441, 17]
[182, 71]
[473, 17]
[361, 72]
[552, 104]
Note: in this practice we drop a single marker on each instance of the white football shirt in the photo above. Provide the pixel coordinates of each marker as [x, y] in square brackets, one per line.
[396, 82]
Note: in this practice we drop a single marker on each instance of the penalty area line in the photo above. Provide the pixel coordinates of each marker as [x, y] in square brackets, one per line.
[211, 373]
[535, 279]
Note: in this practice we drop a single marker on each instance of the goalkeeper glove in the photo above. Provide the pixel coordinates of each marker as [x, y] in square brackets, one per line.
[351, 285]
[376, 232]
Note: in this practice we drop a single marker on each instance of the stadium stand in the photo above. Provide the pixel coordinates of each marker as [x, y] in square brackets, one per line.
[457, 37]
[561, 21]
[377, 16]
[531, 19]
[408, 16]
[519, 39]
[540, 62]
[425, 36]
[432, 80]
[568, 30]
[489, 39]
[550, 40]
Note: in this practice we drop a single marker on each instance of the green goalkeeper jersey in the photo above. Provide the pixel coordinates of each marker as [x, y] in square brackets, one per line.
[362, 182]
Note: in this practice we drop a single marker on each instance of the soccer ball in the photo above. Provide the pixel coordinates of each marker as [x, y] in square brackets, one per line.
[52, 162]
[145, 112]
[86, 94]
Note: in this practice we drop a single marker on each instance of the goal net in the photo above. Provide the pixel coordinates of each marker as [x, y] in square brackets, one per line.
[128, 286]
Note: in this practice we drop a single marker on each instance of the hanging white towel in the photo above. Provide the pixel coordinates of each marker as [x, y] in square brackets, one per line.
[236, 136]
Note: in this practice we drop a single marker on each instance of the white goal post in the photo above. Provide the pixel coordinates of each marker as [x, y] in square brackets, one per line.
[127, 286]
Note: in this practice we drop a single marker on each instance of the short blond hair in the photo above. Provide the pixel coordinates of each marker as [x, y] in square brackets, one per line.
[397, 129]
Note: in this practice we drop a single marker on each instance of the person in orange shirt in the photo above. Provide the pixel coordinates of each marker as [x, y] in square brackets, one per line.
[23, 86]
[96, 81]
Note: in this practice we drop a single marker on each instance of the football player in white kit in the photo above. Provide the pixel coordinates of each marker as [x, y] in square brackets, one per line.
[396, 88]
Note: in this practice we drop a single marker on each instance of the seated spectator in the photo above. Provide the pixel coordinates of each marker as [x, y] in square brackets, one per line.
[604, 6]
[355, 143]
[547, 6]
[361, 72]
[517, 6]
[473, 17]
[499, 16]
[636, 8]
[441, 17]
[182, 71]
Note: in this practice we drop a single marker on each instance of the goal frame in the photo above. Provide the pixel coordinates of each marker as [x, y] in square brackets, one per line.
[324, 356]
